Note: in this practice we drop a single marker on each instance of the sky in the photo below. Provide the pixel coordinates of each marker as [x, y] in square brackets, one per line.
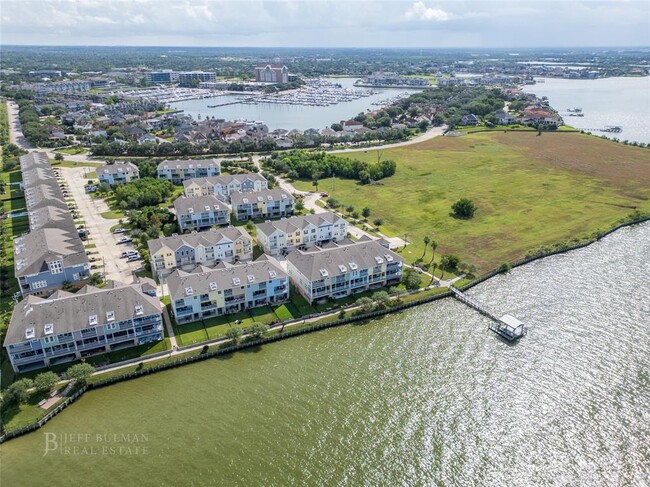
[324, 23]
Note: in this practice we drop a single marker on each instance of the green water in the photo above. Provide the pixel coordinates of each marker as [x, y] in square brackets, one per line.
[425, 397]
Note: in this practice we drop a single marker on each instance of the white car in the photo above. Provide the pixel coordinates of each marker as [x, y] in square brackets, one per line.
[119, 230]
[129, 253]
[124, 240]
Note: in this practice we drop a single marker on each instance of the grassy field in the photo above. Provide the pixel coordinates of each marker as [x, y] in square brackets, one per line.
[530, 191]
[71, 151]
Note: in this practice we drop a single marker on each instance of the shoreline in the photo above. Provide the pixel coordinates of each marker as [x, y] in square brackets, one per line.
[232, 348]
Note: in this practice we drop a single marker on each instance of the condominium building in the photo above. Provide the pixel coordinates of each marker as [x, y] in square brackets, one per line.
[189, 77]
[178, 171]
[341, 270]
[226, 289]
[200, 212]
[65, 327]
[161, 77]
[269, 203]
[225, 185]
[230, 244]
[301, 232]
[118, 173]
[272, 73]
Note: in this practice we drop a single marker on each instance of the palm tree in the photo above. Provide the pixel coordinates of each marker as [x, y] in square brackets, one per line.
[434, 246]
[426, 244]
[433, 273]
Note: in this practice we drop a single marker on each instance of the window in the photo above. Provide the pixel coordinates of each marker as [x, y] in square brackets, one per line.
[38, 284]
[75, 276]
[56, 267]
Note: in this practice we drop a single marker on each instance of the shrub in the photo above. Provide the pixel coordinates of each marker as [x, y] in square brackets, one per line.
[46, 381]
[463, 208]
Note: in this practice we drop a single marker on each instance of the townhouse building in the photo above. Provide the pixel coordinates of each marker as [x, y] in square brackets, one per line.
[230, 244]
[340, 270]
[228, 288]
[118, 173]
[201, 212]
[52, 253]
[269, 203]
[179, 170]
[66, 327]
[225, 185]
[301, 232]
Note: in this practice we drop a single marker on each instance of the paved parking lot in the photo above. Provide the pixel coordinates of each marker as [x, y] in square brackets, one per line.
[107, 248]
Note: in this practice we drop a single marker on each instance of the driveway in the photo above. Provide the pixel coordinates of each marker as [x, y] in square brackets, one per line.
[107, 248]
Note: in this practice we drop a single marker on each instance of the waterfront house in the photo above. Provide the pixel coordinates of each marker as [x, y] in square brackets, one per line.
[230, 244]
[269, 203]
[341, 270]
[225, 185]
[118, 173]
[301, 232]
[503, 118]
[65, 327]
[351, 125]
[226, 289]
[201, 212]
[178, 171]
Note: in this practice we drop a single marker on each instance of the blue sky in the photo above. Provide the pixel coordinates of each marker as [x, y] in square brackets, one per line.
[308, 23]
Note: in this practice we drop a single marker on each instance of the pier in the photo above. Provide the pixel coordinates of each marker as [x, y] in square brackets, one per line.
[506, 326]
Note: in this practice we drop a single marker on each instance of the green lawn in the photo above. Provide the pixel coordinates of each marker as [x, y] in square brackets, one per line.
[263, 315]
[244, 319]
[74, 164]
[286, 312]
[300, 304]
[190, 333]
[530, 191]
[113, 215]
[71, 151]
[216, 326]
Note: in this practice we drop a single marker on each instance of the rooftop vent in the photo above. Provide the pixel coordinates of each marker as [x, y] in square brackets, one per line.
[379, 260]
[259, 198]
[213, 286]
[250, 278]
[389, 258]
[48, 328]
[30, 332]
[138, 309]
[273, 274]
[110, 316]
[353, 266]
[190, 210]
[236, 281]
[189, 291]
[284, 196]
[342, 268]
[207, 207]
[92, 320]
[245, 200]
[324, 273]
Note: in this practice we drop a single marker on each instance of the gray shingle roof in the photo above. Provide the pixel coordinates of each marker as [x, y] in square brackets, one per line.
[118, 168]
[223, 276]
[362, 254]
[207, 239]
[223, 180]
[290, 225]
[69, 312]
[186, 163]
[33, 251]
[183, 204]
[276, 194]
[51, 217]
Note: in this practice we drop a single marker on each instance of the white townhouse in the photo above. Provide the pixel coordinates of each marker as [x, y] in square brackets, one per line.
[228, 288]
[270, 203]
[230, 244]
[340, 270]
[225, 185]
[179, 170]
[201, 212]
[301, 232]
[118, 173]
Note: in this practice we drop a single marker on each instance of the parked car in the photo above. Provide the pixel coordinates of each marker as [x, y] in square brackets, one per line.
[133, 258]
[129, 253]
[119, 230]
[325, 195]
[124, 240]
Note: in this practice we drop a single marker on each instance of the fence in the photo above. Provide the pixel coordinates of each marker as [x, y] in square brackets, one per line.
[287, 334]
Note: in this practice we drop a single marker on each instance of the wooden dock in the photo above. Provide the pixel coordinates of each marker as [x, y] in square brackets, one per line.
[506, 326]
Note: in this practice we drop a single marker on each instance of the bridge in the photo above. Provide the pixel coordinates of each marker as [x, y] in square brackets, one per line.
[506, 326]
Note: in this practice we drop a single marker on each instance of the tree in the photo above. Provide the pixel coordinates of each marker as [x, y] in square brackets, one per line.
[350, 209]
[95, 279]
[463, 208]
[257, 329]
[300, 204]
[505, 267]
[427, 239]
[234, 333]
[381, 298]
[58, 157]
[315, 184]
[17, 392]
[355, 215]
[80, 372]
[378, 222]
[434, 246]
[46, 381]
[365, 304]
[365, 212]
[293, 175]
[411, 279]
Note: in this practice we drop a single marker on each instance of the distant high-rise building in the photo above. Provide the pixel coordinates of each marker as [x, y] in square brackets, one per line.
[272, 73]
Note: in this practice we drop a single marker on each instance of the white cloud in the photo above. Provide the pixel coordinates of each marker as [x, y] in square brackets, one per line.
[419, 11]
